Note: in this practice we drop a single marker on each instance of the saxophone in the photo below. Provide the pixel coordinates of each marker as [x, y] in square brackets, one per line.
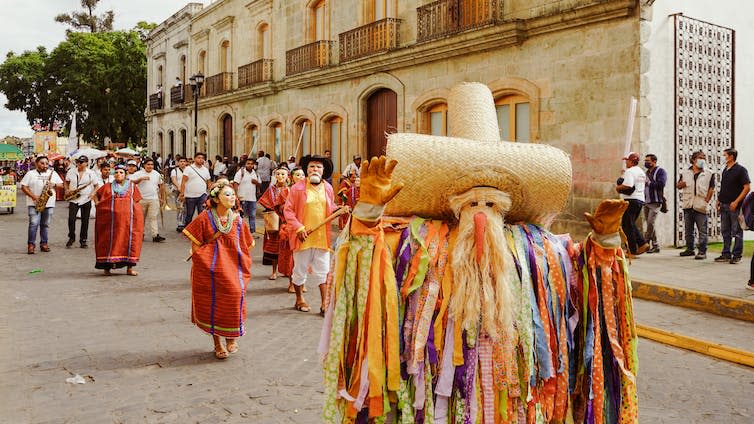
[71, 195]
[45, 195]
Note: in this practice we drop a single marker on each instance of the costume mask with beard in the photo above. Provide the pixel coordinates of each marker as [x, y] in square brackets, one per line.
[482, 264]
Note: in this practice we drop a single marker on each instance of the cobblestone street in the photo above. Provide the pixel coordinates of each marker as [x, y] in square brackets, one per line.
[131, 339]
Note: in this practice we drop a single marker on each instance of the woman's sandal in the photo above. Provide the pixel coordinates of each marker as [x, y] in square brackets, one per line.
[291, 289]
[231, 345]
[132, 273]
[302, 307]
[108, 273]
[273, 277]
[322, 312]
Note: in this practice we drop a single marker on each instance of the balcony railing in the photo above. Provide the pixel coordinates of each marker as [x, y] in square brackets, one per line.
[378, 36]
[311, 56]
[180, 94]
[218, 84]
[255, 72]
[446, 17]
[155, 101]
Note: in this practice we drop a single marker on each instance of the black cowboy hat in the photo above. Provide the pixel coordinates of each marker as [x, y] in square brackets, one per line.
[304, 163]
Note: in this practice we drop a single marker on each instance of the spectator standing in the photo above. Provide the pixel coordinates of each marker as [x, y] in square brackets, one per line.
[328, 155]
[264, 170]
[246, 182]
[734, 186]
[354, 166]
[176, 179]
[631, 189]
[653, 198]
[150, 186]
[196, 181]
[697, 185]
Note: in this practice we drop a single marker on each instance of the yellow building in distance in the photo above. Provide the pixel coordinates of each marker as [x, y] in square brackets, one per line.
[339, 74]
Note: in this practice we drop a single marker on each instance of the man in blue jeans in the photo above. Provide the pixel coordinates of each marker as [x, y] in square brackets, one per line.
[246, 182]
[734, 186]
[195, 181]
[33, 185]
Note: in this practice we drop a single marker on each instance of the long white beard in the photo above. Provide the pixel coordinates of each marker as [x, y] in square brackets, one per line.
[315, 179]
[482, 297]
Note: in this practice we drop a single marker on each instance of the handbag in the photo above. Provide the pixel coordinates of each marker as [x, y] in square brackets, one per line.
[271, 221]
[664, 205]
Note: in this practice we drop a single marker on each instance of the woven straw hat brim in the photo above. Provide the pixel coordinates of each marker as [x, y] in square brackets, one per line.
[537, 177]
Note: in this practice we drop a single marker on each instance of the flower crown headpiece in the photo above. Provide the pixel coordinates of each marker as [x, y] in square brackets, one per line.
[219, 185]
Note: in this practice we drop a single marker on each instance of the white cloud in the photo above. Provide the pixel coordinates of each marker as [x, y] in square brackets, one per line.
[27, 24]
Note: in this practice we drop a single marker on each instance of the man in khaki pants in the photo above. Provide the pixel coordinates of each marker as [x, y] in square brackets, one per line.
[150, 186]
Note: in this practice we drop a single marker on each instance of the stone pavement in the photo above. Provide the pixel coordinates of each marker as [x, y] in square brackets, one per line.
[131, 339]
[700, 275]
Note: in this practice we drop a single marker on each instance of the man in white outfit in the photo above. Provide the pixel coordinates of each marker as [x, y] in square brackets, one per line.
[84, 179]
[150, 186]
[176, 179]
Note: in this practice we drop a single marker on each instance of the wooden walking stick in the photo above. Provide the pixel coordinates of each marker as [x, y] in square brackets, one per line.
[338, 212]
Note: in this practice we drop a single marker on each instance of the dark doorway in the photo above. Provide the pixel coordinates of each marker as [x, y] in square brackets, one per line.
[382, 117]
[183, 143]
[227, 136]
[171, 139]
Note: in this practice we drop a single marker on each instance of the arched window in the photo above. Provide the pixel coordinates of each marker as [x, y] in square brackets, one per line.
[513, 117]
[159, 147]
[435, 120]
[304, 135]
[182, 68]
[264, 47]
[171, 143]
[201, 62]
[251, 139]
[276, 140]
[160, 75]
[320, 21]
[333, 141]
[225, 56]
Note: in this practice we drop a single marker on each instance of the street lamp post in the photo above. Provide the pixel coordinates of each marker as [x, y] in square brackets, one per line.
[196, 81]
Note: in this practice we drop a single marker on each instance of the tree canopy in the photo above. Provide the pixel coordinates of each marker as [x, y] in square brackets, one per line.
[101, 75]
[86, 19]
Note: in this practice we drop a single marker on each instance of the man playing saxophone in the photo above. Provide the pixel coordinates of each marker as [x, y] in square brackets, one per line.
[38, 185]
[80, 183]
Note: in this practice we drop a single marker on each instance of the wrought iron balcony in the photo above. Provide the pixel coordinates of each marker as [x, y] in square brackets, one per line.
[308, 57]
[255, 72]
[218, 84]
[155, 101]
[180, 94]
[446, 17]
[375, 37]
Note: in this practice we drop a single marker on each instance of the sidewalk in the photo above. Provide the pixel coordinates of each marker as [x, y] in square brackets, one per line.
[698, 284]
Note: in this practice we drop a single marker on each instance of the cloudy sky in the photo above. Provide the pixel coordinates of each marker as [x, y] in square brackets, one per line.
[27, 24]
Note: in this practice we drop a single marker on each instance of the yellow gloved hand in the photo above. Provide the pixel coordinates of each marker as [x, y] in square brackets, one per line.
[376, 181]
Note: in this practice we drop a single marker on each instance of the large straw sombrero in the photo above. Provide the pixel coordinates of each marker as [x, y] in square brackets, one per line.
[537, 177]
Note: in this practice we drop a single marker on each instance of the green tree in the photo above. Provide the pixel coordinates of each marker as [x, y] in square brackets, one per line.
[100, 75]
[86, 19]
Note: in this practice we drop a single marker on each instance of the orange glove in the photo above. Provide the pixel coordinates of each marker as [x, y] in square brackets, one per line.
[607, 217]
[377, 188]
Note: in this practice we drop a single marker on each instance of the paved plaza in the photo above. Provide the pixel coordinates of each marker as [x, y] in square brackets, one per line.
[143, 361]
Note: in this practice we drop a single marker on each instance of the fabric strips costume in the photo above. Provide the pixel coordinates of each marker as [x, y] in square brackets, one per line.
[275, 245]
[220, 270]
[119, 226]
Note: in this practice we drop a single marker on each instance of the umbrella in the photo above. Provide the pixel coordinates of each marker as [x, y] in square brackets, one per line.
[53, 156]
[89, 153]
[126, 152]
[10, 152]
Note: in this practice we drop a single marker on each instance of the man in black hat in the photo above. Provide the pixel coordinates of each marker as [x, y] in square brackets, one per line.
[80, 182]
[308, 204]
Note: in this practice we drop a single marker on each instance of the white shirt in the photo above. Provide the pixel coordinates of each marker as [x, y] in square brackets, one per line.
[176, 176]
[149, 188]
[36, 182]
[197, 181]
[220, 168]
[103, 181]
[634, 177]
[88, 179]
[264, 168]
[247, 191]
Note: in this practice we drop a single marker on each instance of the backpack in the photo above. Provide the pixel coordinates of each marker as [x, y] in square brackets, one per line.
[748, 211]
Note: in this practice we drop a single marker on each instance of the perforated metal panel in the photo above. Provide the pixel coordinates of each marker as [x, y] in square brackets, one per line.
[704, 107]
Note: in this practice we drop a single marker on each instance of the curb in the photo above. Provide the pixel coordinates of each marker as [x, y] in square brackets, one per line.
[726, 306]
[704, 347]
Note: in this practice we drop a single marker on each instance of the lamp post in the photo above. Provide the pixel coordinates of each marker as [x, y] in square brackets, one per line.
[196, 81]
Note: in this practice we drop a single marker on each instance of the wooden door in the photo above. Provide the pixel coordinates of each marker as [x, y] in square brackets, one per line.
[228, 136]
[382, 117]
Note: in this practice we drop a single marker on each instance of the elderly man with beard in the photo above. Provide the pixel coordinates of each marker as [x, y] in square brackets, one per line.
[308, 204]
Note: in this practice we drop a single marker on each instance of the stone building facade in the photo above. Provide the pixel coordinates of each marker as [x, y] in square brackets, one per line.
[294, 77]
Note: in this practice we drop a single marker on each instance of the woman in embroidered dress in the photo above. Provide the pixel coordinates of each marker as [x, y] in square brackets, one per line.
[119, 224]
[221, 269]
[273, 200]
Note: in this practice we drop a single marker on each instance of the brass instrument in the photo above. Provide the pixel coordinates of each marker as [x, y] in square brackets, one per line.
[71, 195]
[45, 195]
